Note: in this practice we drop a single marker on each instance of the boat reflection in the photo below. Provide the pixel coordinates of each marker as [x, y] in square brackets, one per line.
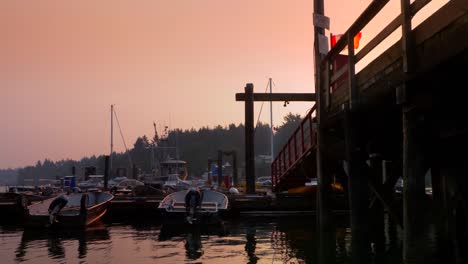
[192, 235]
[54, 240]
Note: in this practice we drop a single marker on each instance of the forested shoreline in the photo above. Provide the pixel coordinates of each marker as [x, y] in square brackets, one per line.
[195, 146]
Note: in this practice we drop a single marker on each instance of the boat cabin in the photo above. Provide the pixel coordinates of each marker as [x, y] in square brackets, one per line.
[173, 167]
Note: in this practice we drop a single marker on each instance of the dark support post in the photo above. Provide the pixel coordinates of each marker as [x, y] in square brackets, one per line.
[413, 188]
[441, 210]
[106, 171]
[134, 171]
[377, 209]
[210, 180]
[234, 164]
[413, 154]
[438, 182]
[249, 139]
[324, 181]
[220, 168]
[358, 190]
[327, 246]
[73, 170]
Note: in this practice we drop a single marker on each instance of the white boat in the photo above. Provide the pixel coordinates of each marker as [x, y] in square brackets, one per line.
[94, 182]
[212, 203]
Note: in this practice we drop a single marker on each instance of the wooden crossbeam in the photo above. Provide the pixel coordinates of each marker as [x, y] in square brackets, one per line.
[279, 97]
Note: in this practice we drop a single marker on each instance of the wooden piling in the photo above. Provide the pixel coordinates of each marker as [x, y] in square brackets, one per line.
[358, 190]
[106, 171]
[323, 198]
[413, 187]
[249, 139]
[220, 168]
[327, 246]
[377, 208]
[134, 172]
[234, 172]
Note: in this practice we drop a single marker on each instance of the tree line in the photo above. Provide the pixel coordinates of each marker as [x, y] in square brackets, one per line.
[195, 146]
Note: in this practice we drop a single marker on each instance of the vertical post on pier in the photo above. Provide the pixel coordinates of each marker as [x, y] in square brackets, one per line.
[358, 179]
[234, 164]
[357, 189]
[377, 208]
[413, 187]
[134, 172]
[413, 153]
[106, 171]
[220, 168]
[324, 181]
[249, 139]
[209, 179]
[326, 250]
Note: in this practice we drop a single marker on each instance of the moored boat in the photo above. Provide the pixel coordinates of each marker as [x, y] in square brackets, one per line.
[13, 204]
[82, 210]
[212, 203]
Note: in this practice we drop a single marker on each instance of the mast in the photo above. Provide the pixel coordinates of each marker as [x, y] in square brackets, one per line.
[176, 154]
[111, 139]
[271, 123]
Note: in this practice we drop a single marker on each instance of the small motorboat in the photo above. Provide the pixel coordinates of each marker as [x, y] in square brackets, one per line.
[211, 204]
[82, 210]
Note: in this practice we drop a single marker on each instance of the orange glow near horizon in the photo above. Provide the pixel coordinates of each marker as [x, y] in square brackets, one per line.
[177, 63]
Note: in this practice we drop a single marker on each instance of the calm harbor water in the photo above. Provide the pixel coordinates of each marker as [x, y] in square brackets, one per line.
[288, 239]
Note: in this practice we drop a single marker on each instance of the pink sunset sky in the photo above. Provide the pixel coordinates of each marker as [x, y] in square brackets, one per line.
[174, 62]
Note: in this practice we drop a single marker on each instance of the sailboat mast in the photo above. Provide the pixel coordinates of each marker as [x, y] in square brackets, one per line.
[111, 139]
[271, 123]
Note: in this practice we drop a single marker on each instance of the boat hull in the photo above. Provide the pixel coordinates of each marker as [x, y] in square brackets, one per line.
[72, 215]
[212, 204]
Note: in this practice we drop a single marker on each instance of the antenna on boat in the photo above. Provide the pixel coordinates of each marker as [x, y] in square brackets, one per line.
[123, 139]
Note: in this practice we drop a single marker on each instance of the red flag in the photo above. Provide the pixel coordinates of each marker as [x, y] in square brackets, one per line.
[334, 39]
[356, 40]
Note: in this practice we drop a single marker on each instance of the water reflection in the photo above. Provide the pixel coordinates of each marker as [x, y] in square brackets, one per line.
[54, 239]
[251, 243]
[290, 239]
[193, 245]
[192, 235]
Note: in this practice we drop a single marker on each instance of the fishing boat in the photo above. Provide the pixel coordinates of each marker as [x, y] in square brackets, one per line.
[212, 203]
[17, 198]
[12, 204]
[82, 210]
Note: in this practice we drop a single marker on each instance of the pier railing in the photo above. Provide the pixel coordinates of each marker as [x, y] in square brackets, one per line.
[338, 81]
[298, 145]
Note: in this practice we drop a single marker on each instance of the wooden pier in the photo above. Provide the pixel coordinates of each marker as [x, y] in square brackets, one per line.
[401, 116]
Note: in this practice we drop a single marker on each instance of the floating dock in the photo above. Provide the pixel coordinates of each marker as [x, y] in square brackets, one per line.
[259, 203]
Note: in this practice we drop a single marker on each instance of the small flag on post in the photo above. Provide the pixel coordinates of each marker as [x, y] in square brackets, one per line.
[334, 39]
